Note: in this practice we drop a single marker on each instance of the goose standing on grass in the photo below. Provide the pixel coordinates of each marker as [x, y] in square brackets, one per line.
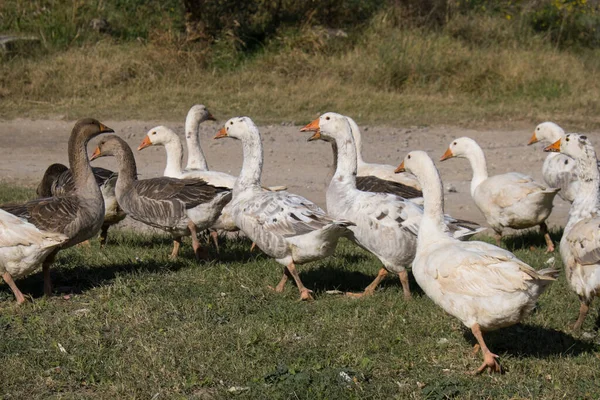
[482, 285]
[580, 243]
[285, 226]
[76, 214]
[178, 206]
[381, 171]
[58, 180]
[385, 224]
[510, 200]
[559, 169]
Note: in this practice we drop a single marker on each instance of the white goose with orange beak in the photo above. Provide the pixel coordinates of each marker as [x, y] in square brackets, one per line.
[484, 286]
[385, 224]
[510, 200]
[580, 243]
[285, 226]
[558, 169]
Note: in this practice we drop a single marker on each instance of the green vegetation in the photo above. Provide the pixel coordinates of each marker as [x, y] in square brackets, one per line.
[408, 62]
[137, 325]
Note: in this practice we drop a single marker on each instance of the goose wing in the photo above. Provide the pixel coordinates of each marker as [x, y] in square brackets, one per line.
[372, 183]
[286, 214]
[52, 214]
[584, 241]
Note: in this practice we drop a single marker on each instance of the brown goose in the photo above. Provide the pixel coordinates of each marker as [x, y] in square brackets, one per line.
[77, 214]
[178, 206]
[58, 180]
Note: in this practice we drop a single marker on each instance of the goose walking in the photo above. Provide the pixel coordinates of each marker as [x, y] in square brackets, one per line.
[285, 226]
[58, 180]
[510, 200]
[580, 243]
[384, 224]
[178, 206]
[482, 285]
[78, 214]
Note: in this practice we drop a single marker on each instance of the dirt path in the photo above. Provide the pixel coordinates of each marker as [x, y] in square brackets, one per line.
[30, 146]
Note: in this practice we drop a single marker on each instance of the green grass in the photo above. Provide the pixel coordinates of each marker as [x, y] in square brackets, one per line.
[140, 326]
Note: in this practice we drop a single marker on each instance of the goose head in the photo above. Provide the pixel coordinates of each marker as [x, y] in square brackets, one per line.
[546, 132]
[111, 145]
[415, 162]
[158, 136]
[460, 147]
[574, 145]
[329, 127]
[52, 173]
[238, 128]
[88, 128]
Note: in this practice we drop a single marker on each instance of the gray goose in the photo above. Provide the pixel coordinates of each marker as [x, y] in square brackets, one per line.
[77, 214]
[58, 180]
[178, 206]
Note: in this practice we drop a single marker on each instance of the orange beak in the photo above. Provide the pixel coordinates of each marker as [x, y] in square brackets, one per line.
[400, 168]
[554, 147]
[210, 117]
[221, 134]
[313, 127]
[448, 154]
[96, 154]
[533, 139]
[105, 129]
[145, 143]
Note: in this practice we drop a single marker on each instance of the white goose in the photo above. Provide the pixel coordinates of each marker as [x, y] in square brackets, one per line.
[23, 248]
[197, 114]
[510, 200]
[381, 171]
[558, 169]
[482, 285]
[385, 224]
[285, 226]
[580, 243]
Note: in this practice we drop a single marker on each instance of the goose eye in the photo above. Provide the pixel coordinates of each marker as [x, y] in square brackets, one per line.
[408, 157]
[327, 118]
[567, 139]
[154, 133]
[454, 144]
[231, 123]
[583, 137]
[538, 128]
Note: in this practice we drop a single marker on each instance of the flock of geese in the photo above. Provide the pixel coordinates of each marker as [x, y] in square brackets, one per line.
[397, 214]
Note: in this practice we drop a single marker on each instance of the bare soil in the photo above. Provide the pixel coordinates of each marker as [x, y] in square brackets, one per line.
[29, 146]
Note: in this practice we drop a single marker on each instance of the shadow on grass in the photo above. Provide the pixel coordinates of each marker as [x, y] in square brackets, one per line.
[532, 341]
[531, 238]
[330, 277]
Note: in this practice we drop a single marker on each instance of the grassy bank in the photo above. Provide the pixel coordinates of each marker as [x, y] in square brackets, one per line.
[476, 67]
[139, 326]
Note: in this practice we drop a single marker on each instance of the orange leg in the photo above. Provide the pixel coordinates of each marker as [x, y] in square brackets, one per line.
[9, 280]
[489, 358]
[404, 281]
[549, 244]
[583, 310]
[252, 247]
[369, 290]
[283, 281]
[200, 253]
[215, 238]
[176, 246]
[304, 292]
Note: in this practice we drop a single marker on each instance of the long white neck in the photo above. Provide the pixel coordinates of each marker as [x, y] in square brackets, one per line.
[196, 159]
[478, 165]
[344, 153]
[174, 150]
[357, 136]
[587, 202]
[253, 162]
[432, 226]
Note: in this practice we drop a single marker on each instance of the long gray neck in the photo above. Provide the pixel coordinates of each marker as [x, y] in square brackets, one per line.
[83, 177]
[196, 159]
[253, 162]
[127, 169]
